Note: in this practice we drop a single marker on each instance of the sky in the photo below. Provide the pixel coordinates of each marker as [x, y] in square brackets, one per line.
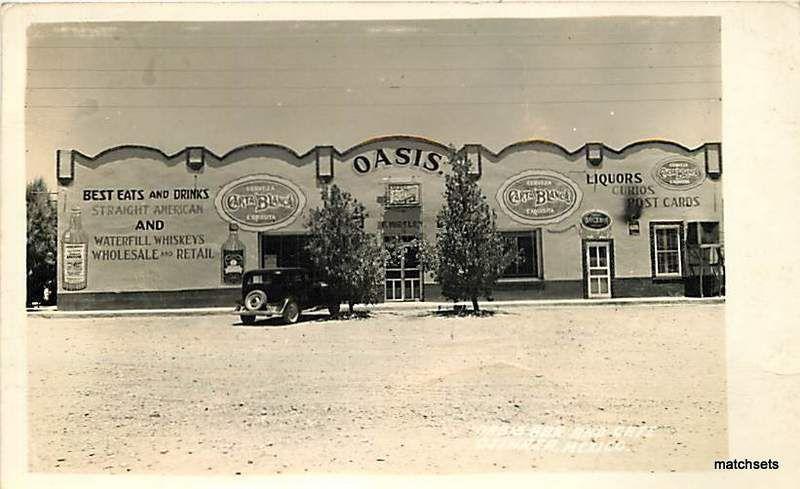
[169, 85]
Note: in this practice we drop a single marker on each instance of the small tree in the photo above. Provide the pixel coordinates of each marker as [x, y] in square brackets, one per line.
[41, 241]
[470, 253]
[342, 253]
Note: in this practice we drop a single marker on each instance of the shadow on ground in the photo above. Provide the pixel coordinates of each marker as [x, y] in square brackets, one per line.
[457, 312]
[312, 317]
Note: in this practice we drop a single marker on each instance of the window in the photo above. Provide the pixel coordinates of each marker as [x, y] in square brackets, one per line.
[703, 233]
[526, 247]
[704, 240]
[284, 251]
[666, 256]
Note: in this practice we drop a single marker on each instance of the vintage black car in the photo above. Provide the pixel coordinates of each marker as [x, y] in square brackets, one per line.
[284, 292]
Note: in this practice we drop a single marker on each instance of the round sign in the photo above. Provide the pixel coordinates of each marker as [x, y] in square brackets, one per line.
[260, 202]
[678, 174]
[539, 197]
[596, 220]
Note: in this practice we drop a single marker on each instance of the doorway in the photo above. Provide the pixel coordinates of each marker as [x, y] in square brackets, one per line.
[403, 280]
[597, 268]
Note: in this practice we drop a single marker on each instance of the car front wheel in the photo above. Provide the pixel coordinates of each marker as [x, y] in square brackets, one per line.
[291, 313]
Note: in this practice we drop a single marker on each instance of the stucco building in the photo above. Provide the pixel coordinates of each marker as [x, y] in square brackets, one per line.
[140, 228]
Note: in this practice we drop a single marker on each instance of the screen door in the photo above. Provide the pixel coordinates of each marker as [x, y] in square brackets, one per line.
[598, 269]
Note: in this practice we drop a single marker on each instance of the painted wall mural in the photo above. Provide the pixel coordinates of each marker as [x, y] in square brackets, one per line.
[260, 202]
[678, 174]
[539, 197]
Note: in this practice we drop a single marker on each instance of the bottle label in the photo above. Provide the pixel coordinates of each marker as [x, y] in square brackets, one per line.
[232, 266]
[74, 264]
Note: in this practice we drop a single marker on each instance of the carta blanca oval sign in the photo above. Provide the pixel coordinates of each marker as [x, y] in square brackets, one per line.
[678, 174]
[539, 197]
[596, 220]
[260, 202]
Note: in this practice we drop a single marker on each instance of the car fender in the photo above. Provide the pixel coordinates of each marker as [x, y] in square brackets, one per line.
[285, 301]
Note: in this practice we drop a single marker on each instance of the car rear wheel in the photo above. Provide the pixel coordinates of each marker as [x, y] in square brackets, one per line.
[291, 313]
[246, 319]
[255, 300]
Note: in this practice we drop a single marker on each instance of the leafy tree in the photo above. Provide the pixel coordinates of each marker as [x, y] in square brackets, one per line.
[41, 241]
[350, 260]
[367, 273]
[470, 254]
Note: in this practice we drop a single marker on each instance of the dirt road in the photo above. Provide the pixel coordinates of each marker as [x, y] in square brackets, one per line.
[619, 388]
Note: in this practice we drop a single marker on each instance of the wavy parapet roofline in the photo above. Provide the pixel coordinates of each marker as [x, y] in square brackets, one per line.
[181, 153]
[272, 147]
[521, 145]
[323, 156]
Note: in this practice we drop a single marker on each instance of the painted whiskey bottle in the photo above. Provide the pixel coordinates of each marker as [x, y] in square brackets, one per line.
[74, 254]
[232, 257]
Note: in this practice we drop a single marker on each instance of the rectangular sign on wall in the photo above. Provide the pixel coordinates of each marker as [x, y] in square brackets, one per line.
[402, 195]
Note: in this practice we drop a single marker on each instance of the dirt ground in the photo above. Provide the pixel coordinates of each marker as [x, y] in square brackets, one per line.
[589, 387]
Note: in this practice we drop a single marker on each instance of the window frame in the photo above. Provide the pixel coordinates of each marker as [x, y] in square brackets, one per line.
[654, 251]
[536, 236]
[702, 246]
[700, 234]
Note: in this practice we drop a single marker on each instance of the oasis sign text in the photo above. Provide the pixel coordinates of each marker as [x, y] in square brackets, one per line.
[387, 157]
